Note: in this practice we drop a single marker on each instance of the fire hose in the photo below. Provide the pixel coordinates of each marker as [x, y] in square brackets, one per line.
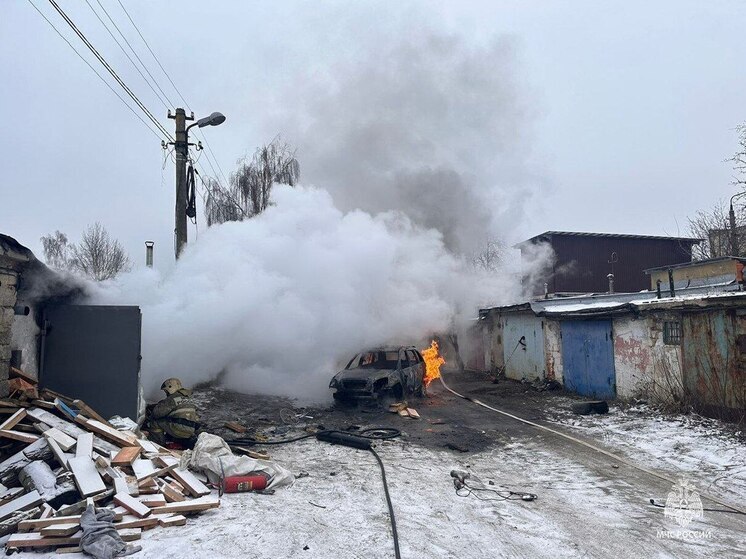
[362, 440]
[616, 457]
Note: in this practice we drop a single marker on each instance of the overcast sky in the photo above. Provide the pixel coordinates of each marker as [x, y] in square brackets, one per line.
[628, 109]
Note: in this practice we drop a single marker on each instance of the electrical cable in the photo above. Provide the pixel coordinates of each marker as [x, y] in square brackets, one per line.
[178, 92]
[111, 71]
[616, 457]
[372, 433]
[135, 53]
[111, 33]
[107, 84]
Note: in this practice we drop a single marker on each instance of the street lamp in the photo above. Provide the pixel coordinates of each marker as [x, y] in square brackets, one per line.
[181, 146]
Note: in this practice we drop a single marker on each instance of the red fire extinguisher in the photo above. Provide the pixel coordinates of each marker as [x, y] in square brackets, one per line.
[241, 484]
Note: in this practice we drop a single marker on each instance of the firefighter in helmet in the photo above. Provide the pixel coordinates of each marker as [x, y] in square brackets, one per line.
[174, 419]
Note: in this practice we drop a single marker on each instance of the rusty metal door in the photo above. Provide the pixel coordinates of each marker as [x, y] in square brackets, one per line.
[92, 353]
[713, 363]
[588, 358]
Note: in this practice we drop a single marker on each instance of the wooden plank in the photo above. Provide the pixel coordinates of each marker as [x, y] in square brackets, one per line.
[86, 476]
[59, 455]
[120, 485]
[173, 520]
[119, 438]
[10, 494]
[170, 492]
[132, 505]
[18, 373]
[130, 521]
[119, 513]
[68, 428]
[143, 468]
[46, 511]
[36, 524]
[413, 413]
[24, 502]
[251, 453]
[65, 442]
[65, 410]
[152, 501]
[27, 438]
[14, 419]
[43, 404]
[195, 505]
[235, 426]
[84, 446]
[186, 478]
[130, 534]
[35, 539]
[126, 456]
[147, 446]
[90, 412]
[60, 529]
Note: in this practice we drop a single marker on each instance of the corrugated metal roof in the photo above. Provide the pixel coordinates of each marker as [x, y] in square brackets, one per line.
[547, 234]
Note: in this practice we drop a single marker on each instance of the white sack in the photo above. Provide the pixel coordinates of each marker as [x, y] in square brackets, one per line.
[210, 451]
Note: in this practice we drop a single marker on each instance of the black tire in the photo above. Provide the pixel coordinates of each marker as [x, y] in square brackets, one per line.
[587, 408]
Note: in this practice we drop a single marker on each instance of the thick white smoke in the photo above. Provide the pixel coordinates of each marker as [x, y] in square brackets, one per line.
[275, 302]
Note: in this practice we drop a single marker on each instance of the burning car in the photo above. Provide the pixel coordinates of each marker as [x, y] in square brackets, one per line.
[380, 372]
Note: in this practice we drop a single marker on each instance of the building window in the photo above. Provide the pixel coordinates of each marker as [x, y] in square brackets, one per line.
[672, 332]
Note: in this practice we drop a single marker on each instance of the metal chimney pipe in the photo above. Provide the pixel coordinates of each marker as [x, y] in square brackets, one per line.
[670, 283]
[149, 253]
[658, 285]
[610, 277]
[546, 290]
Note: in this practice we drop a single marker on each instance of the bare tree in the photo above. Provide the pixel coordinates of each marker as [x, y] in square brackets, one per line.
[713, 227]
[56, 250]
[98, 256]
[490, 256]
[249, 192]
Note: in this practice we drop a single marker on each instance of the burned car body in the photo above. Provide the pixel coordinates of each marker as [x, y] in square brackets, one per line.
[386, 371]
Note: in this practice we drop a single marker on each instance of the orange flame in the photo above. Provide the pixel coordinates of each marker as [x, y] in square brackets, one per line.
[433, 361]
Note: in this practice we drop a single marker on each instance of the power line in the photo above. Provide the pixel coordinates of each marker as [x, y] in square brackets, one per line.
[152, 53]
[126, 53]
[107, 84]
[136, 55]
[111, 70]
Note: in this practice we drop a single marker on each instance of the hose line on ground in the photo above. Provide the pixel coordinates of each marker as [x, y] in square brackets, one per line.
[369, 434]
[587, 445]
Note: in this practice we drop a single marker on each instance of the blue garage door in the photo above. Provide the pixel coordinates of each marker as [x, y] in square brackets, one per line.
[588, 358]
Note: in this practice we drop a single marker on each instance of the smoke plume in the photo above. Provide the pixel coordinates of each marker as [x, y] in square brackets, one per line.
[275, 302]
[428, 125]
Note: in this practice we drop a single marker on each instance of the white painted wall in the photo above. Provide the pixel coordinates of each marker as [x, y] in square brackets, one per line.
[645, 366]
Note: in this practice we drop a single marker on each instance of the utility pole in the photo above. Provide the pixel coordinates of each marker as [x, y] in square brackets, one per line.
[181, 146]
[733, 230]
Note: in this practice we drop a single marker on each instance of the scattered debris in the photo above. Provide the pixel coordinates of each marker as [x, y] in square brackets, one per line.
[236, 427]
[586, 408]
[135, 483]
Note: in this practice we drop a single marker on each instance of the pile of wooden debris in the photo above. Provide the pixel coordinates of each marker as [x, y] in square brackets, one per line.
[61, 456]
[403, 410]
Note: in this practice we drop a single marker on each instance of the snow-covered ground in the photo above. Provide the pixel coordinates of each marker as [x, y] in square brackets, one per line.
[339, 511]
[689, 446]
